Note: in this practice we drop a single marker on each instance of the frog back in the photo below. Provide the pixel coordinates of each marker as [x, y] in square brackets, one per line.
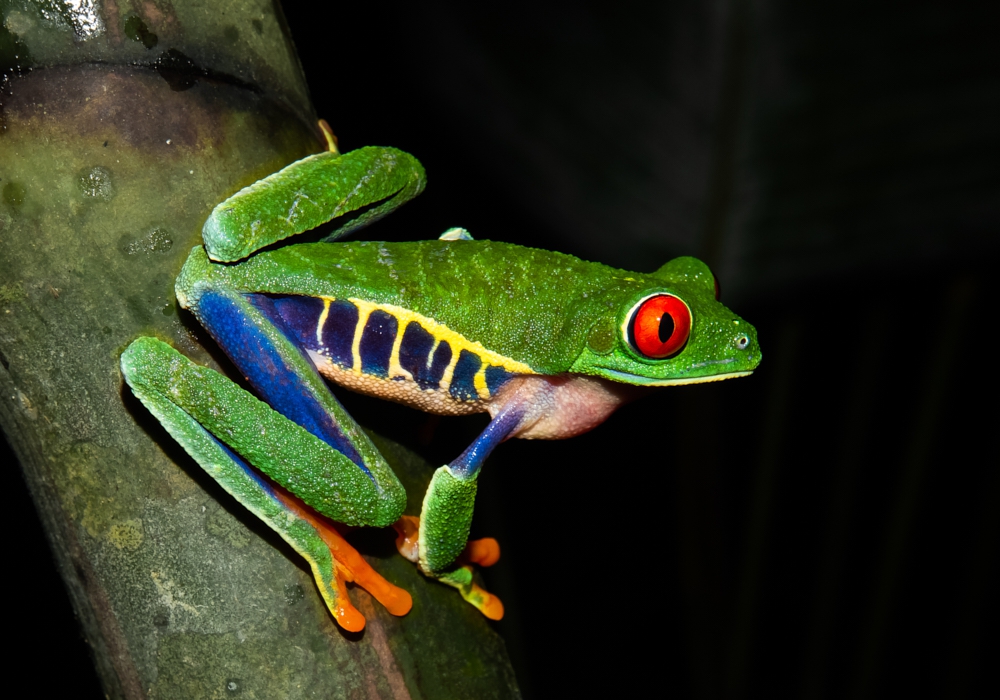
[529, 309]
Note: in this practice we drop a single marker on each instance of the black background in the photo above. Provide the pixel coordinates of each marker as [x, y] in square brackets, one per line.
[827, 527]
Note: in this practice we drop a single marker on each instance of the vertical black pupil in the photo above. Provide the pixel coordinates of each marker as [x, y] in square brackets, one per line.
[666, 327]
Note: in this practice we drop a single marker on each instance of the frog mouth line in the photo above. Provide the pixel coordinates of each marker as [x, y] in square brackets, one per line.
[630, 378]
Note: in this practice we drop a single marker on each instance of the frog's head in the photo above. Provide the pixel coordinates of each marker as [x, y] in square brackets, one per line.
[669, 328]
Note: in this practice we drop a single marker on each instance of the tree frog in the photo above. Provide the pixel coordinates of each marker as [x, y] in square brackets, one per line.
[548, 344]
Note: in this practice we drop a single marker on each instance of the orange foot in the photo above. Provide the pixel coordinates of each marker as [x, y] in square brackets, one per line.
[348, 566]
[484, 552]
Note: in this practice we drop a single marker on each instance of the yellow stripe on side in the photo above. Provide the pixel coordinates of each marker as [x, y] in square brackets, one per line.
[396, 369]
[449, 371]
[322, 321]
[457, 341]
[364, 311]
[430, 355]
[480, 382]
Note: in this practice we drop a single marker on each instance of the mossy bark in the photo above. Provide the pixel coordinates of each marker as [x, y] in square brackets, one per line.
[119, 131]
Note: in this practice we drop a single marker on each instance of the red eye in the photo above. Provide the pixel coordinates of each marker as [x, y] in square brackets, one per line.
[660, 326]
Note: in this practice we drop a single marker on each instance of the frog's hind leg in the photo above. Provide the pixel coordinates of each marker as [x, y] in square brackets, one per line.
[183, 397]
[289, 382]
[251, 329]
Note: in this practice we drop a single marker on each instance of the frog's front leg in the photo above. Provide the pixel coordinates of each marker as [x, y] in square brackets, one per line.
[369, 182]
[439, 540]
[529, 406]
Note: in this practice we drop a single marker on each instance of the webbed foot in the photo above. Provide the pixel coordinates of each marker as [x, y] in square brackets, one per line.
[483, 552]
[347, 565]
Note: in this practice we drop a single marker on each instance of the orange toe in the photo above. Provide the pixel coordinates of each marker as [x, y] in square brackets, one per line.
[393, 598]
[484, 552]
[487, 603]
[346, 615]
[407, 536]
[492, 607]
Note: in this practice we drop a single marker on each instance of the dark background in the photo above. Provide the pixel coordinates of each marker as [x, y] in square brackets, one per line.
[827, 527]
